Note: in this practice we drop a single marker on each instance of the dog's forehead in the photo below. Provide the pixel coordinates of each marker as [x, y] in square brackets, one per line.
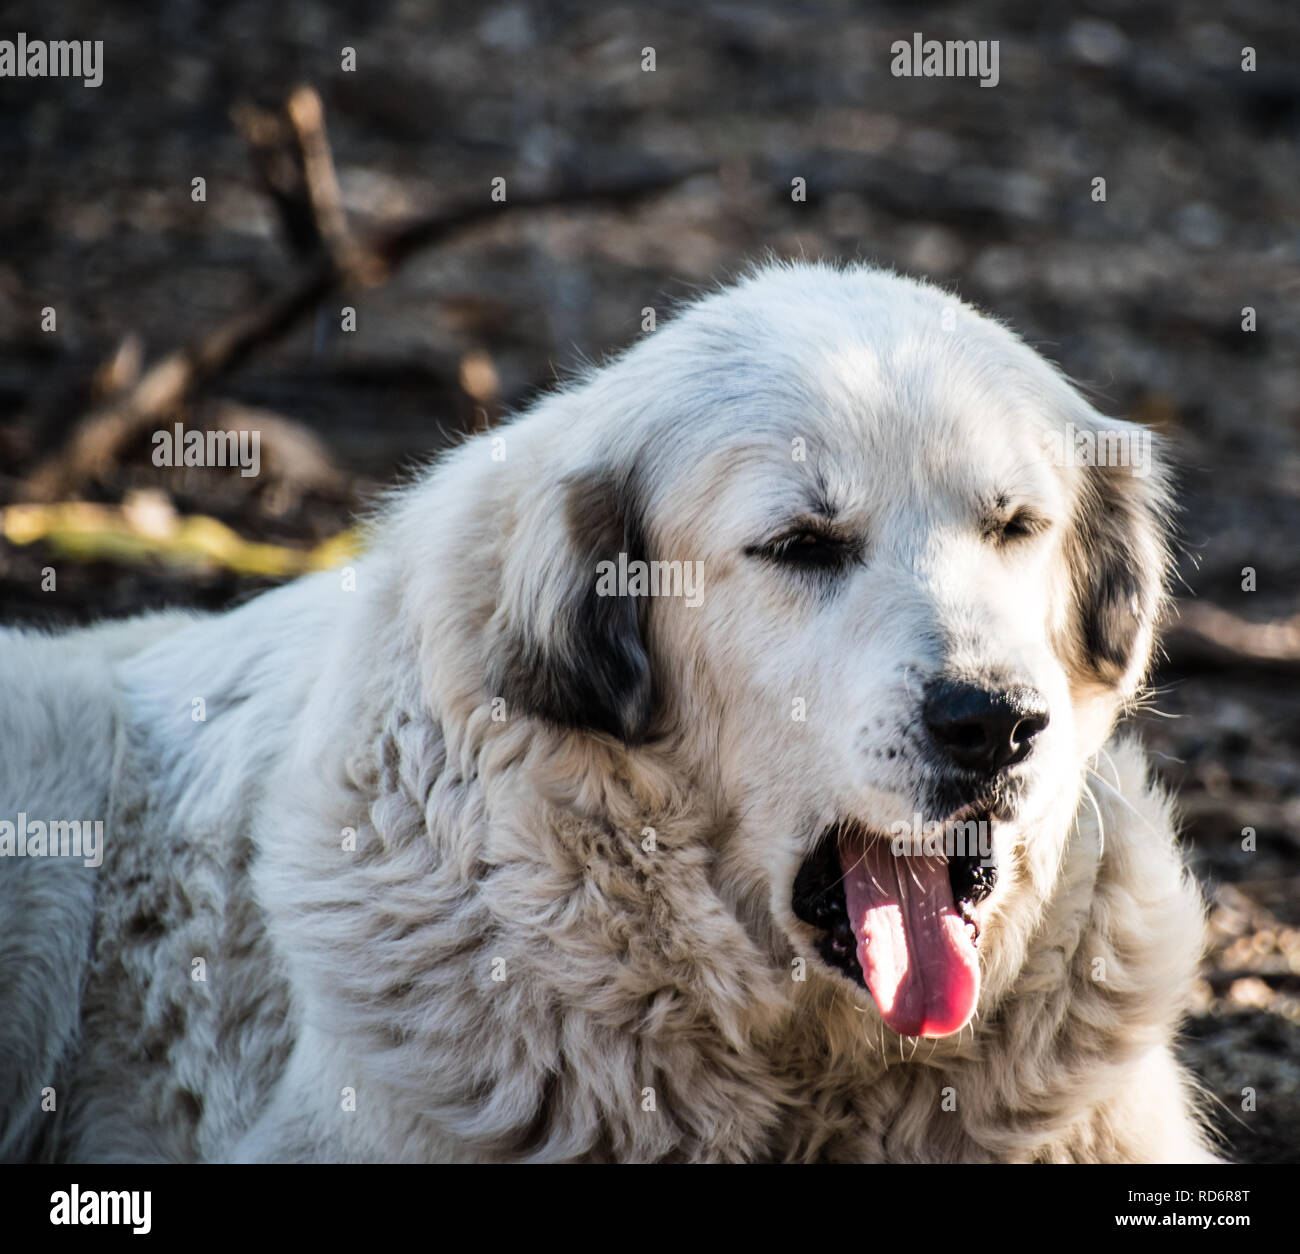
[848, 406]
[873, 358]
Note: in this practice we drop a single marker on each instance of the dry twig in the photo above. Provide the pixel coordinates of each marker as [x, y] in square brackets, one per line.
[341, 261]
[1207, 636]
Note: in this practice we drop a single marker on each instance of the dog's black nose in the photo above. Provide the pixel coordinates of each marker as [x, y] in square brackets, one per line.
[981, 730]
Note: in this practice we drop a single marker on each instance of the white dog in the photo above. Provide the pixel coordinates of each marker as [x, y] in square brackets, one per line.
[579, 819]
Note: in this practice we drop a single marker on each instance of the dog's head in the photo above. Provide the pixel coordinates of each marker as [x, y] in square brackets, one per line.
[876, 577]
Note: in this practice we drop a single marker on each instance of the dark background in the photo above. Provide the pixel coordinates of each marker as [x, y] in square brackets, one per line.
[984, 190]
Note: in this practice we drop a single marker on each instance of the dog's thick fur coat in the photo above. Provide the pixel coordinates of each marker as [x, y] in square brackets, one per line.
[444, 857]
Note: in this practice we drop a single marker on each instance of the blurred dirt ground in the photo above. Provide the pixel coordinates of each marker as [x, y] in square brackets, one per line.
[986, 191]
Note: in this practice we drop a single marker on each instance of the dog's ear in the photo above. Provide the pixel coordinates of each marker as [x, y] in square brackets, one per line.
[1119, 554]
[561, 648]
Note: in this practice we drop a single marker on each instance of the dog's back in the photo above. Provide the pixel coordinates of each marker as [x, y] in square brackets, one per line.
[58, 725]
[144, 1013]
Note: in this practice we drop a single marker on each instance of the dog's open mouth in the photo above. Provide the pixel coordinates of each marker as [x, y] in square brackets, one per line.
[902, 925]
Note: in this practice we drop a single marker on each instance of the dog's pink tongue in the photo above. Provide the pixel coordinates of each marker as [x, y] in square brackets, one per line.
[915, 951]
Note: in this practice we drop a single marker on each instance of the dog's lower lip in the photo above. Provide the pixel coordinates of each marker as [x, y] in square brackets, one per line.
[984, 809]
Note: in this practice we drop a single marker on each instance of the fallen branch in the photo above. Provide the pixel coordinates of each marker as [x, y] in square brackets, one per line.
[97, 439]
[145, 530]
[307, 117]
[1207, 636]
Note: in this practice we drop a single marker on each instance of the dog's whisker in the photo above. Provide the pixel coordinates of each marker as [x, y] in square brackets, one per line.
[1101, 825]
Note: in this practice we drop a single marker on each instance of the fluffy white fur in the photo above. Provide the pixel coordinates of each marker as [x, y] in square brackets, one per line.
[409, 839]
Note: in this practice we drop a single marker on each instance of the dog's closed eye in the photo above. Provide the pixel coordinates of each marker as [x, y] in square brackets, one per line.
[1019, 524]
[807, 547]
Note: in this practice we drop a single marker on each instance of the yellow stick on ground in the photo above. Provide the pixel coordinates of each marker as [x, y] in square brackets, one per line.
[131, 534]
